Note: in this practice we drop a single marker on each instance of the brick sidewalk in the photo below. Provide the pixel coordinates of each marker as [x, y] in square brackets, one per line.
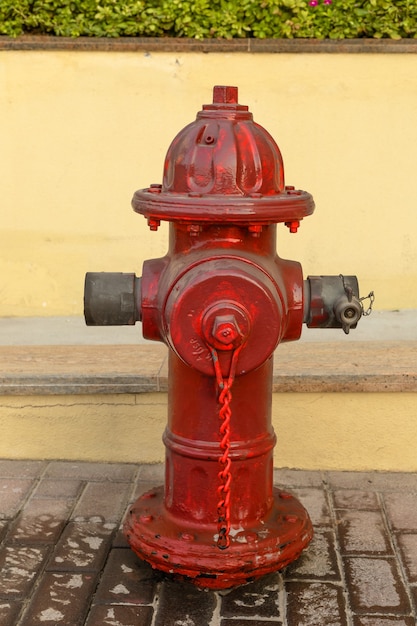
[64, 562]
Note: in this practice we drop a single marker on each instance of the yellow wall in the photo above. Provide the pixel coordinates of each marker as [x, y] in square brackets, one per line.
[81, 131]
[330, 431]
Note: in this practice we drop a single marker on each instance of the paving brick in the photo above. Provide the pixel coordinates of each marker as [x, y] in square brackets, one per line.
[13, 493]
[127, 580]
[100, 472]
[380, 620]
[21, 469]
[120, 616]
[402, 510]
[60, 600]
[182, 603]
[349, 480]
[41, 521]
[375, 481]
[363, 532]
[3, 528]
[19, 567]
[353, 499]
[81, 547]
[315, 501]
[319, 561]
[413, 591]
[287, 478]
[155, 473]
[61, 489]
[9, 611]
[375, 586]
[102, 500]
[315, 604]
[249, 622]
[393, 481]
[408, 550]
[141, 487]
[120, 540]
[260, 599]
[91, 577]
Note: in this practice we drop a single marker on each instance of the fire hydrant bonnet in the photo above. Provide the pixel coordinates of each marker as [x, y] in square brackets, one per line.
[223, 166]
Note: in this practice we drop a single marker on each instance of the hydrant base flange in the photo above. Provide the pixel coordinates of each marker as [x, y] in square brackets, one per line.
[190, 551]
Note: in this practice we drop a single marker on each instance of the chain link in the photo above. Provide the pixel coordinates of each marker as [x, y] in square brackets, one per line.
[371, 298]
[225, 476]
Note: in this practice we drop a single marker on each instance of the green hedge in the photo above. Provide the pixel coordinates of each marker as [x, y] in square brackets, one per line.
[335, 19]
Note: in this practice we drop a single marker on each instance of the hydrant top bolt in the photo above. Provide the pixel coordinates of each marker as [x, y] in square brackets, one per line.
[225, 98]
[221, 94]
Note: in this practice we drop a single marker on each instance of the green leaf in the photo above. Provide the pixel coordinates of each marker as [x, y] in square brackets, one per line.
[210, 18]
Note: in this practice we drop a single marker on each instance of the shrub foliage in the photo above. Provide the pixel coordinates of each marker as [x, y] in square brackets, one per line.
[199, 19]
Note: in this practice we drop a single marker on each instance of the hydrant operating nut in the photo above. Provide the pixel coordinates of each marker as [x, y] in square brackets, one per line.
[226, 331]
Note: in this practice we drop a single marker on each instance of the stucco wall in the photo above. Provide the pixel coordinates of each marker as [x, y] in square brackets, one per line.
[342, 431]
[81, 131]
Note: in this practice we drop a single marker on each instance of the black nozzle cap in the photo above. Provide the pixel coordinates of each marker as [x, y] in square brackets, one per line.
[110, 299]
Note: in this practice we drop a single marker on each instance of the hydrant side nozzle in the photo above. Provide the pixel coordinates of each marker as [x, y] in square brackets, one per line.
[112, 299]
[332, 302]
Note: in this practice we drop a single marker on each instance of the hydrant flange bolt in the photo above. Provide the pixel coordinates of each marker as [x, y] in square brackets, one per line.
[153, 224]
[293, 225]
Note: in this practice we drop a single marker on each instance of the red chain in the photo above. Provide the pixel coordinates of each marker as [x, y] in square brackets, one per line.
[225, 476]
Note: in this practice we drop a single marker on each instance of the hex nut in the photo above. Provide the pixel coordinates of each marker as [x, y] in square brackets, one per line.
[226, 329]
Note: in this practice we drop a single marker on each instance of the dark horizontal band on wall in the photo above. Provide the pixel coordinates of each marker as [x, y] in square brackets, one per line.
[173, 44]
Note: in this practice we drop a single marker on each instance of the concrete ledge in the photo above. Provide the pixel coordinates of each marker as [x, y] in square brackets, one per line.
[371, 366]
[66, 394]
[182, 44]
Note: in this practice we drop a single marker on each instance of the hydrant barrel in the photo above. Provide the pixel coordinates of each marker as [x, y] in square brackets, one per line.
[222, 300]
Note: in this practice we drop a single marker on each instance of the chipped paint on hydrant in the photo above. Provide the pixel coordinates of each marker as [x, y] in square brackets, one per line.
[222, 300]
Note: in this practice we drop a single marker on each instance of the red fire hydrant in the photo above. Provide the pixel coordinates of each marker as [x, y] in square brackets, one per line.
[222, 300]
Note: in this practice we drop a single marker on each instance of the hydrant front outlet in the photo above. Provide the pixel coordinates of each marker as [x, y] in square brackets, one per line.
[222, 300]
